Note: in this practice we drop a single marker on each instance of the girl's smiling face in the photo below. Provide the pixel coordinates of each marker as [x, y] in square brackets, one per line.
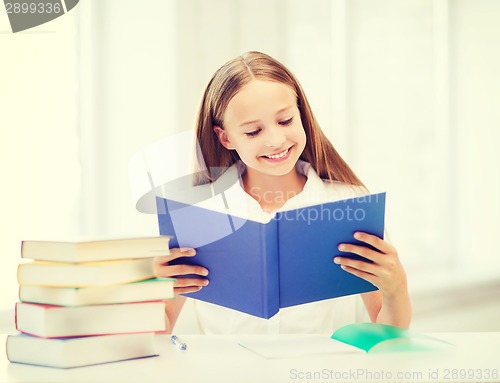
[262, 123]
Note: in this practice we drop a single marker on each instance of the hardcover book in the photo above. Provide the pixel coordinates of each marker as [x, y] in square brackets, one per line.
[95, 250]
[258, 268]
[148, 290]
[85, 274]
[58, 321]
[80, 351]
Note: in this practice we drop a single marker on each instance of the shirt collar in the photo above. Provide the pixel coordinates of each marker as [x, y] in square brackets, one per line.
[314, 185]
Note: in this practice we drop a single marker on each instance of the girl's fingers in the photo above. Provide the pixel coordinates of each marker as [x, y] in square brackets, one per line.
[385, 272]
[185, 290]
[384, 248]
[189, 285]
[365, 267]
[162, 268]
[182, 252]
[363, 251]
[361, 274]
[176, 270]
[174, 254]
[376, 242]
[186, 282]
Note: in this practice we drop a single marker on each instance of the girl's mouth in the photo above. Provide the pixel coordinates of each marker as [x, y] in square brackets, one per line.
[277, 157]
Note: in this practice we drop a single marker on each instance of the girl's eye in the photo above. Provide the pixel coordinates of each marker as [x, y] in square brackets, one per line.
[286, 122]
[253, 133]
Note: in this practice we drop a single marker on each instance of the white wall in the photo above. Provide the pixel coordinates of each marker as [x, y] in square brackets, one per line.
[475, 117]
[39, 155]
[408, 91]
[128, 99]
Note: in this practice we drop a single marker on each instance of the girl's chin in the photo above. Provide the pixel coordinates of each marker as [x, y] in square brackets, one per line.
[280, 170]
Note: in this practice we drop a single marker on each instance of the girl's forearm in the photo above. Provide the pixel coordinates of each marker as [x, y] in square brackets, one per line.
[172, 310]
[396, 310]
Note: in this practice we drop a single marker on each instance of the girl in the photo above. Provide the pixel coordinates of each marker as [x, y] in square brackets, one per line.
[255, 116]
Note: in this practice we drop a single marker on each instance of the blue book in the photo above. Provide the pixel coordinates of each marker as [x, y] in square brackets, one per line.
[258, 268]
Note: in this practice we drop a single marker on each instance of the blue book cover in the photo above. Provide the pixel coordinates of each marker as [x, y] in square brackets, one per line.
[258, 268]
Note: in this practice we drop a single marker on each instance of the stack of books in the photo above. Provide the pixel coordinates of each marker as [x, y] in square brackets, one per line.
[92, 302]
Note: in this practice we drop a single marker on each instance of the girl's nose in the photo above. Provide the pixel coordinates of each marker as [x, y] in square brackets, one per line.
[274, 137]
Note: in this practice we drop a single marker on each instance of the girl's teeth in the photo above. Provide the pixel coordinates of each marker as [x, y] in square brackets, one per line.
[279, 155]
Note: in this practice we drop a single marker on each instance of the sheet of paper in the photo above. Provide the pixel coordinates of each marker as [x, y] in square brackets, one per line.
[284, 347]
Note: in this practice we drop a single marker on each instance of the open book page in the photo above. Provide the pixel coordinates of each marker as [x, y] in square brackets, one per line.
[285, 347]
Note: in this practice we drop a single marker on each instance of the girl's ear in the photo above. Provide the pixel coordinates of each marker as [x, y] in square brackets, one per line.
[223, 138]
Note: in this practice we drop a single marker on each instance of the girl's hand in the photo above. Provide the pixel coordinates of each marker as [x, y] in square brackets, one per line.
[162, 269]
[386, 271]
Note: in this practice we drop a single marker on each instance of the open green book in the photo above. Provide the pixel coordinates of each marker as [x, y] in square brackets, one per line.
[374, 337]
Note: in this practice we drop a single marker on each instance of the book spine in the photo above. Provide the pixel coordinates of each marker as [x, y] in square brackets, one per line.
[7, 348]
[270, 268]
[165, 224]
[15, 315]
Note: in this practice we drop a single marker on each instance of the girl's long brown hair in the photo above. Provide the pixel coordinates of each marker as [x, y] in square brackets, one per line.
[225, 83]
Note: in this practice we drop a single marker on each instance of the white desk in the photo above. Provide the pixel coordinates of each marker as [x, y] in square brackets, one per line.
[221, 359]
